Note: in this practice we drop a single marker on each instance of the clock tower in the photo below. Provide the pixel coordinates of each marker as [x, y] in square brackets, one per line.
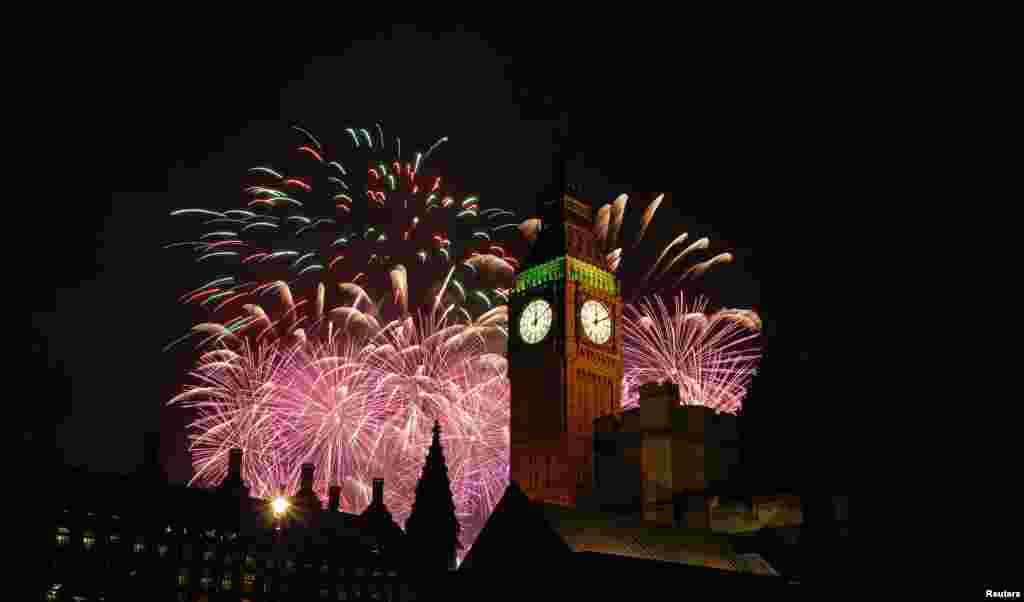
[565, 355]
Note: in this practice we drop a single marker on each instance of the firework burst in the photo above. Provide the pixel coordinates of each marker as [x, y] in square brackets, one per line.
[675, 264]
[360, 408]
[711, 357]
[378, 234]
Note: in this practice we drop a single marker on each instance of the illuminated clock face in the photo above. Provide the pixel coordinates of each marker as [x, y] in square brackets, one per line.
[535, 321]
[597, 321]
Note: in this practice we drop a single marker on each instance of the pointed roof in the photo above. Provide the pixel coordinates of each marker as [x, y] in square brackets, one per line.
[516, 530]
[434, 490]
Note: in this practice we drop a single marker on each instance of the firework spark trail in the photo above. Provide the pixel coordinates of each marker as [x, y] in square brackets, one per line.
[711, 357]
[309, 232]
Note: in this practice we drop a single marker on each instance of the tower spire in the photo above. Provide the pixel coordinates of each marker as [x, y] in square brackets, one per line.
[432, 527]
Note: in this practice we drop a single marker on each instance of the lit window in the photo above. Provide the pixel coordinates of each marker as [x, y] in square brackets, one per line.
[139, 547]
[250, 562]
[115, 538]
[168, 529]
[225, 583]
[248, 582]
[89, 540]
[182, 577]
[63, 536]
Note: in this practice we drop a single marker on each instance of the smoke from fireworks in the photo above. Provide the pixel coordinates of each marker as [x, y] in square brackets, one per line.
[712, 357]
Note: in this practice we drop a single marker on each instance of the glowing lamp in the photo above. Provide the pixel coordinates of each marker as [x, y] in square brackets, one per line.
[279, 505]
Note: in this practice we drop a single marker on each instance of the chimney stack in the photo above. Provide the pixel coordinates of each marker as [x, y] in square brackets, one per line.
[235, 465]
[334, 498]
[307, 477]
[378, 492]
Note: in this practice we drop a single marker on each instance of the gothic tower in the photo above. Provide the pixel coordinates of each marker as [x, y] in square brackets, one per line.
[565, 355]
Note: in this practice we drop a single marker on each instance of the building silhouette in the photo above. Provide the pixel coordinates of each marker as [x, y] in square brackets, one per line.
[140, 538]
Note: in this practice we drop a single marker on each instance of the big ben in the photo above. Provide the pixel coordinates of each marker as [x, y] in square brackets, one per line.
[565, 355]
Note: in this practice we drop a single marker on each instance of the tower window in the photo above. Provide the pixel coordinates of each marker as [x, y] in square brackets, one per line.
[89, 540]
[63, 537]
[139, 547]
[182, 577]
[248, 582]
[225, 583]
[115, 538]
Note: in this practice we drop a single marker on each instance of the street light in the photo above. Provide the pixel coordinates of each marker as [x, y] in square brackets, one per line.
[280, 505]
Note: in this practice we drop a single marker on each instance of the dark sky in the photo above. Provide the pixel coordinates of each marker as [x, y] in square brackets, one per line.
[740, 139]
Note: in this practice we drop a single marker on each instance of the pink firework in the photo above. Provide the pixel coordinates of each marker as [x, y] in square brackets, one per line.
[712, 357]
[360, 408]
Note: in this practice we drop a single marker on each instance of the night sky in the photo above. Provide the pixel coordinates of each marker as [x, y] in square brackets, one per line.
[736, 140]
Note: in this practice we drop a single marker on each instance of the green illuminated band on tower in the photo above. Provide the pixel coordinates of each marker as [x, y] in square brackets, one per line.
[579, 271]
